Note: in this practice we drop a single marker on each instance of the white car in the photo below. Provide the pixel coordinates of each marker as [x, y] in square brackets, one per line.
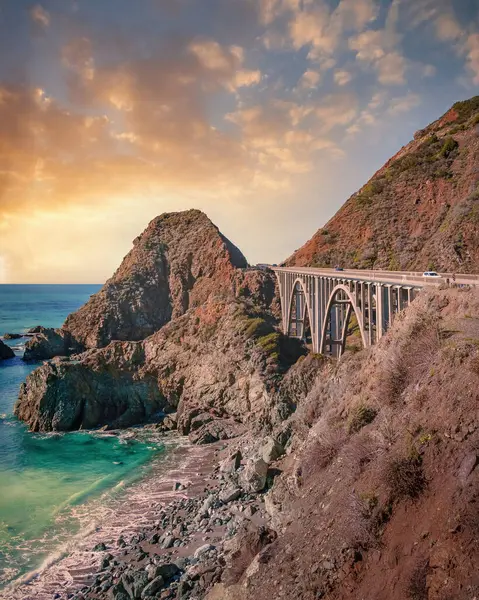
[430, 274]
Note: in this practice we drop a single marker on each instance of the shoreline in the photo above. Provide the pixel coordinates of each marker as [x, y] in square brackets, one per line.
[162, 517]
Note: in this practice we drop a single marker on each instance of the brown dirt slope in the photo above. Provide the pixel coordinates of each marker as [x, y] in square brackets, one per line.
[420, 210]
[379, 491]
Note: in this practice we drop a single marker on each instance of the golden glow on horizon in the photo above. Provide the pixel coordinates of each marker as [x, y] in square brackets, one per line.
[3, 270]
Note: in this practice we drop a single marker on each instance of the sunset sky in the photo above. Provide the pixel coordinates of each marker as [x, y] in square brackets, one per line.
[266, 114]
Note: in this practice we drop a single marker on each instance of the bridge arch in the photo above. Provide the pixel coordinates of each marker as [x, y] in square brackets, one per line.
[305, 311]
[350, 304]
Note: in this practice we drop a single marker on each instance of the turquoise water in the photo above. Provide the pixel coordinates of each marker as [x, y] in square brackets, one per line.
[43, 476]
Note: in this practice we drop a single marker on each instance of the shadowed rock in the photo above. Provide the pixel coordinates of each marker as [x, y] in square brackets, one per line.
[6, 351]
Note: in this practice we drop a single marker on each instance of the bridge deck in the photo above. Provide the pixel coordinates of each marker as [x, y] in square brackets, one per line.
[403, 278]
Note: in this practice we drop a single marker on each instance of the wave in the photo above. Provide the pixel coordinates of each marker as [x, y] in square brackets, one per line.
[121, 510]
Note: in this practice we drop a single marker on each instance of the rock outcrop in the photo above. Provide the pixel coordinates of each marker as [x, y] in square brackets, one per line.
[47, 343]
[65, 394]
[177, 263]
[6, 351]
[217, 366]
[420, 211]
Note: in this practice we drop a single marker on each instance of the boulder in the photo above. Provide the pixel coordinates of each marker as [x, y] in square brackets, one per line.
[229, 494]
[36, 329]
[5, 351]
[253, 478]
[49, 343]
[153, 588]
[271, 450]
[12, 336]
[202, 550]
[167, 571]
[242, 548]
[215, 430]
[134, 582]
[232, 463]
[170, 422]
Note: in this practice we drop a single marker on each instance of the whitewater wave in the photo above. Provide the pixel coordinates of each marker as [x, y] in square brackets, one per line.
[121, 510]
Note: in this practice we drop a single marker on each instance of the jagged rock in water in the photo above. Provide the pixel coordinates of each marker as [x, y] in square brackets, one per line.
[6, 351]
[63, 395]
[48, 343]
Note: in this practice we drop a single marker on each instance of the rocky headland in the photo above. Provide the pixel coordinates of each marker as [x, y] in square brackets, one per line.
[325, 479]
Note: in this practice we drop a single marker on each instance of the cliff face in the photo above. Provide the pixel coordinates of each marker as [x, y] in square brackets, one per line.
[218, 366]
[177, 262]
[5, 351]
[421, 210]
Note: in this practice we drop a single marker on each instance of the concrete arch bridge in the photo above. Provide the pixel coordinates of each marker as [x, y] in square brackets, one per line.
[320, 305]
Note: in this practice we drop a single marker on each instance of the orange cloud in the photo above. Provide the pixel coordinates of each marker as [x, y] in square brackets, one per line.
[40, 16]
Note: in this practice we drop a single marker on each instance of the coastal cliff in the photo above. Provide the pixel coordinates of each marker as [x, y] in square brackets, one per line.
[215, 356]
[5, 351]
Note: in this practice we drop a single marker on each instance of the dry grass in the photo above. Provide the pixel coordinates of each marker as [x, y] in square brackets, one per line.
[416, 341]
[360, 416]
[417, 588]
[323, 449]
[405, 477]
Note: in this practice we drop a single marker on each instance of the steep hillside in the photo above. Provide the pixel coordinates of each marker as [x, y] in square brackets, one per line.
[420, 210]
[379, 487]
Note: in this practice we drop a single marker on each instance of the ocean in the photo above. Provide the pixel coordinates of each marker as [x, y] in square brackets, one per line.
[52, 484]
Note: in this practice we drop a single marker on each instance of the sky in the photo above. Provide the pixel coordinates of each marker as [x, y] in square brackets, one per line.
[266, 114]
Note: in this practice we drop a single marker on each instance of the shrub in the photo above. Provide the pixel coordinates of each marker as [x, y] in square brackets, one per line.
[417, 588]
[269, 343]
[255, 327]
[360, 416]
[405, 477]
[466, 109]
[448, 147]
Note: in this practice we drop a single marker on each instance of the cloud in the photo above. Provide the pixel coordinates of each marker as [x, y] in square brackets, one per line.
[315, 24]
[246, 78]
[77, 56]
[310, 79]
[377, 49]
[40, 16]
[472, 55]
[391, 69]
[342, 77]
[336, 110]
[447, 27]
[404, 104]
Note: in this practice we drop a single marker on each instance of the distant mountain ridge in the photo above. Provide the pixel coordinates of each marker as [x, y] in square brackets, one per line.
[420, 210]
